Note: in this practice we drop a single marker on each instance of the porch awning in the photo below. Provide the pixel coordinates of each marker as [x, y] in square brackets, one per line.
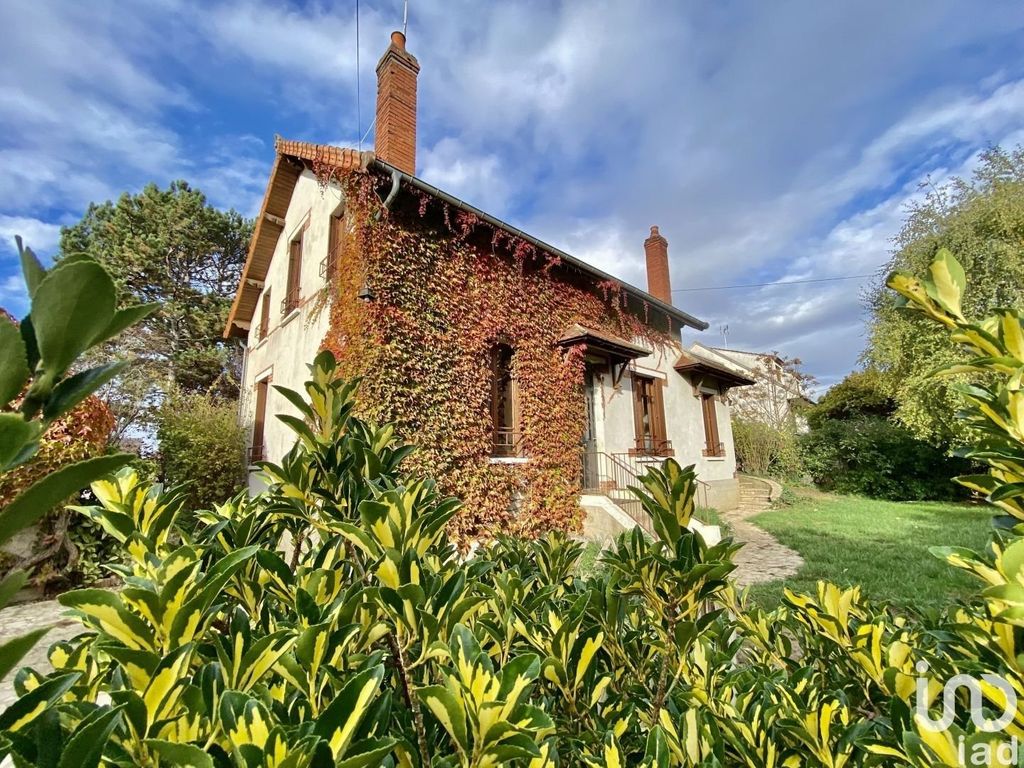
[599, 342]
[689, 363]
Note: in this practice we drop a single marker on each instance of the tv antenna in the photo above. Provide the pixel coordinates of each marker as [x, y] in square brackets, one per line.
[725, 335]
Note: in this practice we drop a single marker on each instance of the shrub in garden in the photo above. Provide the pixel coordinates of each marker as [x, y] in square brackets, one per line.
[871, 456]
[377, 644]
[73, 308]
[764, 449]
[203, 445]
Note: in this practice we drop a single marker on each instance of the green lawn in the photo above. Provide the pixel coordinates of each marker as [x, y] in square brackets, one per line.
[881, 545]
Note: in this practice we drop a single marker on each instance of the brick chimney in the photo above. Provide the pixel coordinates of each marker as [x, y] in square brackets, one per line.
[395, 140]
[658, 283]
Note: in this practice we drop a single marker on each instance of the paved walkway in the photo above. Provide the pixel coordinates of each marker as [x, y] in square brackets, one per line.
[17, 620]
[763, 557]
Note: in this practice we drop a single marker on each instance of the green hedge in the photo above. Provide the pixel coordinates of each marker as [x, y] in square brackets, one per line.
[202, 444]
[870, 456]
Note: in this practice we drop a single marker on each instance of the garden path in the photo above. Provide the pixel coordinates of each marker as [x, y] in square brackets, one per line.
[763, 557]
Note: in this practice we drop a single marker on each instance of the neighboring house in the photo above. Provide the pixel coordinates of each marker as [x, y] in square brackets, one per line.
[529, 379]
[778, 396]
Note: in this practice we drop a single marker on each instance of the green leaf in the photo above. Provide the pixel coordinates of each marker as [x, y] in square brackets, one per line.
[14, 370]
[367, 754]
[10, 585]
[32, 704]
[51, 490]
[1007, 491]
[180, 755]
[30, 267]
[295, 399]
[106, 612]
[71, 307]
[338, 723]
[947, 283]
[444, 707]
[125, 319]
[15, 434]
[74, 389]
[85, 747]
[14, 650]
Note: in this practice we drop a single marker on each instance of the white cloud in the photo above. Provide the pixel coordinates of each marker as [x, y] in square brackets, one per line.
[41, 236]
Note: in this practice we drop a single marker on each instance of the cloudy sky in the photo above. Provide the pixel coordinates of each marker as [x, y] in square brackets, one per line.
[770, 141]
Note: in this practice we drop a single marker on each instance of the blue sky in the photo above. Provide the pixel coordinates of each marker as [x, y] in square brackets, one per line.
[769, 141]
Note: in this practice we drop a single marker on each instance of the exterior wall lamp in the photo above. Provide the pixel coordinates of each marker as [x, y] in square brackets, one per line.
[366, 293]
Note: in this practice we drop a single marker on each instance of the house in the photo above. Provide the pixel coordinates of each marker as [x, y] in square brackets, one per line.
[778, 396]
[536, 386]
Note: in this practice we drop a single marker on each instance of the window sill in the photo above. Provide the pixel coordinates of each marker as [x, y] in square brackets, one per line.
[260, 344]
[715, 458]
[290, 316]
[508, 460]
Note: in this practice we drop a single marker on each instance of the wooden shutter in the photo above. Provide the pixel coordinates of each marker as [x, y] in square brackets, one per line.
[265, 315]
[638, 412]
[259, 422]
[658, 431]
[336, 234]
[294, 274]
[710, 425]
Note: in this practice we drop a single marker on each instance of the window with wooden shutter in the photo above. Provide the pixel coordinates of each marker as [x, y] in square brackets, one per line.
[335, 242]
[649, 417]
[258, 451]
[504, 404]
[265, 315]
[713, 446]
[291, 298]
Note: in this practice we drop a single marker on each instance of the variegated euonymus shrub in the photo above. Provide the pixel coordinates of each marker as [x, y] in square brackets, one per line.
[374, 642]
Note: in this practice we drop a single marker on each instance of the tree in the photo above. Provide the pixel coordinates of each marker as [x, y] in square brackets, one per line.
[202, 446]
[860, 393]
[981, 219]
[779, 390]
[167, 245]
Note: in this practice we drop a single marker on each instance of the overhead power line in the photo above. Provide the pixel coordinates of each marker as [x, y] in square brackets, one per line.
[766, 285]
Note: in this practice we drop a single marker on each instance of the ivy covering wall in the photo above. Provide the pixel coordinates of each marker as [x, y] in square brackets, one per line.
[447, 288]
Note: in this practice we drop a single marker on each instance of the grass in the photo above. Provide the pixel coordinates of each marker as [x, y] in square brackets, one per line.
[881, 545]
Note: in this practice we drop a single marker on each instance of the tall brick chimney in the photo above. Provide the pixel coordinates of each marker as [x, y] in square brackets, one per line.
[658, 283]
[395, 140]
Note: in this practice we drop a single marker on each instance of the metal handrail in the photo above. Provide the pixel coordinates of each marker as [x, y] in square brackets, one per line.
[611, 474]
[329, 262]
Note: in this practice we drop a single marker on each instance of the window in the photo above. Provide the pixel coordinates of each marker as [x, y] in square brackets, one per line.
[265, 315]
[504, 405]
[712, 445]
[335, 241]
[258, 451]
[291, 299]
[649, 417]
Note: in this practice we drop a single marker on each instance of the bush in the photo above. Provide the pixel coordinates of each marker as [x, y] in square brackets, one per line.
[202, 446]
[869, 456]
[383, 646]
[762, 449]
